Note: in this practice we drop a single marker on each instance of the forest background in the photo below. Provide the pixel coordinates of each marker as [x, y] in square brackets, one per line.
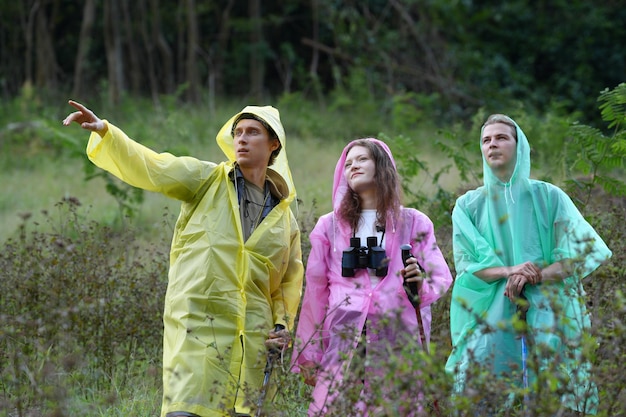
[84, 257]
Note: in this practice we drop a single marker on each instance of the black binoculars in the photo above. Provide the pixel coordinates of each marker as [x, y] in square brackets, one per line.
[359, 257]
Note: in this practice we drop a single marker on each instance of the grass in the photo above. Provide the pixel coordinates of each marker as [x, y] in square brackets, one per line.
[49, 175]
[141, 398]
[83, 286]
[51, 168]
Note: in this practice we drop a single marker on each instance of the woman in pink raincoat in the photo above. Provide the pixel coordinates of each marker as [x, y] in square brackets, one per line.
[356, 316]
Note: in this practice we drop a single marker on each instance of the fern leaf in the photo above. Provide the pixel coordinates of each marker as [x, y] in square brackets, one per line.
[613, 106]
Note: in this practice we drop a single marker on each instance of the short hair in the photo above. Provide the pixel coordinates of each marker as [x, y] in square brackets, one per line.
[502, 118]
[270, 131]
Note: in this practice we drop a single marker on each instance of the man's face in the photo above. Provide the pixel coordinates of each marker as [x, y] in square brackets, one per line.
[253, 145]
[499, 149]
[360, 169]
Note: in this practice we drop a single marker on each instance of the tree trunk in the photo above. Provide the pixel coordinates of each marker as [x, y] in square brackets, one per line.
[167, 58]
[181, 31]
[47, 66]
[135, 70]
[257, 69]
[222, 43]
[315, 55]
[29, 25]
[432, 69]
[193, 34]
[145, 26]
[113, 45]
[84, 40]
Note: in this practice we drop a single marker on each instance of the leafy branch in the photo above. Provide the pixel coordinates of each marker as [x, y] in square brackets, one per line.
[601, 158]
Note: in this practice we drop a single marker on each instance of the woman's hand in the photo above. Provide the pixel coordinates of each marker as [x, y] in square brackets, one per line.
[412, 271]
[308, 370]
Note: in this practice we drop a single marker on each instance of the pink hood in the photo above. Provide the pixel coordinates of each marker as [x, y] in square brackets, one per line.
[340, 185]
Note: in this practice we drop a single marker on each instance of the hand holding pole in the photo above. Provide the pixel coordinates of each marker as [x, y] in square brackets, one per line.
[412, 290]
[273, 354]
[411, 287]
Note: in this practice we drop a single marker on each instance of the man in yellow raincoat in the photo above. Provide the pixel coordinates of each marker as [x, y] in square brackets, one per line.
[235, 262]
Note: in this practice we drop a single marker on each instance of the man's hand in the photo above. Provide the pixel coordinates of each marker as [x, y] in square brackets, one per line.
[85, 118]
[520, 275]
[515, 286]
[279, 338]
[527, 269]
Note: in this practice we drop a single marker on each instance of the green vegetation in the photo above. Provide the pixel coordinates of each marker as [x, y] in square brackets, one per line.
[83, 281]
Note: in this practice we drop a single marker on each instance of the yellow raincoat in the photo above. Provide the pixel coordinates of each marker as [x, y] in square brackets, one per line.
[224, 294]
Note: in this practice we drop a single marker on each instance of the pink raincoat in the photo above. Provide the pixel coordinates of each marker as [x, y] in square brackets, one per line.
[335, 309]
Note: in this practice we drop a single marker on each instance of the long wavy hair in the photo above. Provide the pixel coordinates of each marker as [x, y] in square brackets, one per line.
[388, 192]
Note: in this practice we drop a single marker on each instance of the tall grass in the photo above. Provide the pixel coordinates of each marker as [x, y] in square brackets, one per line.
[82, 285]
[43, 162]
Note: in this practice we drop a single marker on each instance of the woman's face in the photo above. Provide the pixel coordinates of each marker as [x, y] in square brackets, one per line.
[360, 169]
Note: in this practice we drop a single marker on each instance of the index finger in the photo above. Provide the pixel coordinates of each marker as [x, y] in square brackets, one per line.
[78, 106]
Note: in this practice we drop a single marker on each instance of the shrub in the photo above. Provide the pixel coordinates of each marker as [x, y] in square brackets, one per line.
[80, 297]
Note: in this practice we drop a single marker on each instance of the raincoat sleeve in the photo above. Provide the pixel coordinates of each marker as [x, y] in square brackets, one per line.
[574, 237]
[141, 167]
[471, 296]
[430, 257]
[286, 299]
[310, 340]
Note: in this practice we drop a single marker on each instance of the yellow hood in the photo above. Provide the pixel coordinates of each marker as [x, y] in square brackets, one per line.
[272, 117]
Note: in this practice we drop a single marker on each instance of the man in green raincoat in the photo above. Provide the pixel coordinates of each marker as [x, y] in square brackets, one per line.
[515, 237]
[236, 271]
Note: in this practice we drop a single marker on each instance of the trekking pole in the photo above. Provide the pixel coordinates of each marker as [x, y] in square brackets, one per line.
[412, 290]
[272, 355]
[525, 368]
[522, 314]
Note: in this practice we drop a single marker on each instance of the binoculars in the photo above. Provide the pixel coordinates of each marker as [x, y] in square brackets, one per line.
[360, 257]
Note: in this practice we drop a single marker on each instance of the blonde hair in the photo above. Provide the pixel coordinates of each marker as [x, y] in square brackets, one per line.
[504, 119]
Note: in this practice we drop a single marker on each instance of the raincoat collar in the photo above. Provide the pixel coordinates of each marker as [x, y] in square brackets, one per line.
[279, 172]
[277, 186]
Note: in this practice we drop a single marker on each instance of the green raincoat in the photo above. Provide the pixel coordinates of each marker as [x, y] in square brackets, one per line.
[224, 294]
[502, 224]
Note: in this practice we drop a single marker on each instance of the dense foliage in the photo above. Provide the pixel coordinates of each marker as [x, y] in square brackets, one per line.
[455, 56]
